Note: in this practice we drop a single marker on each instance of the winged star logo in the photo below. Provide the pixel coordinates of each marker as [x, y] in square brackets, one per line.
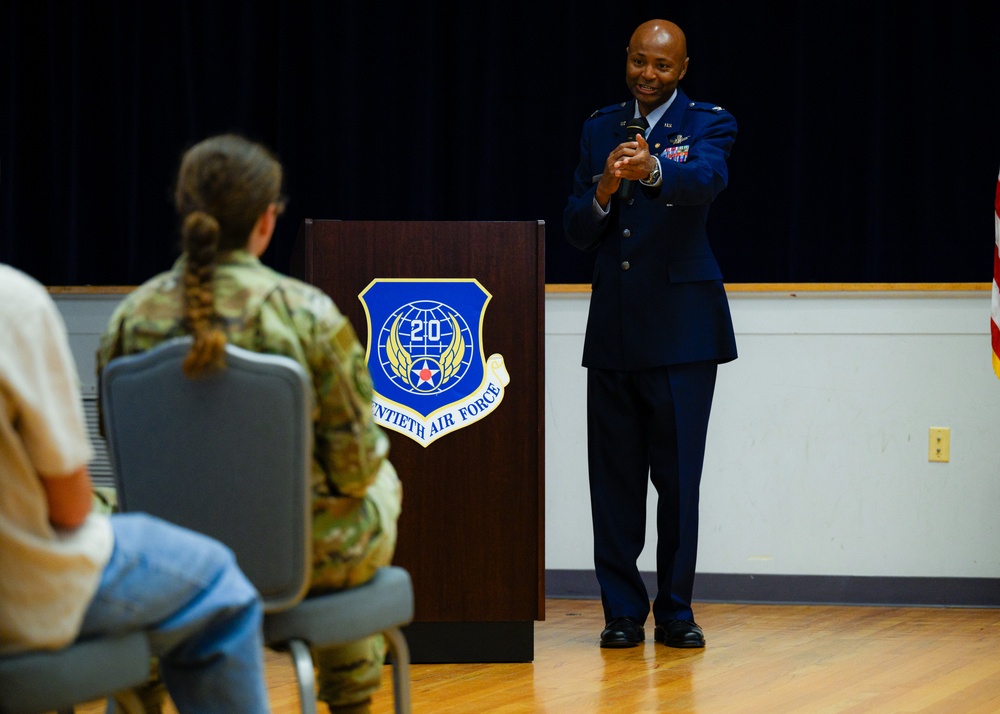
[427, 374]
[425, 356]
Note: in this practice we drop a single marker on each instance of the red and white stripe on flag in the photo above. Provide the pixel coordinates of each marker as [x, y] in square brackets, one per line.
[995, 313]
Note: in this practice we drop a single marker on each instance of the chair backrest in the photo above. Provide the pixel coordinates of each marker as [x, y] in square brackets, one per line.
[227, 454]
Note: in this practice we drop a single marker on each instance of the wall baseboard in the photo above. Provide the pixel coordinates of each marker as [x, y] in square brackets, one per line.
[804, 589]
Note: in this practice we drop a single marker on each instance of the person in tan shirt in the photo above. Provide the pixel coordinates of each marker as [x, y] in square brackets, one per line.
[70, 573]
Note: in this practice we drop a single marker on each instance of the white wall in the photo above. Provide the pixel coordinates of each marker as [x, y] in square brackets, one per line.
[817, 450]
[86, 316]
[817, 460]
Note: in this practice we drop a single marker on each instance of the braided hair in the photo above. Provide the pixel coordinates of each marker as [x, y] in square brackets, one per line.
[225, 184]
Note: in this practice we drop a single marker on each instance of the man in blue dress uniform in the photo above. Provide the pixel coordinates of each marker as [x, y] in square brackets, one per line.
[659, 325]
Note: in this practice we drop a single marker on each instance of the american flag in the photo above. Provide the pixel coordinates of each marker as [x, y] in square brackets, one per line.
[995, 315]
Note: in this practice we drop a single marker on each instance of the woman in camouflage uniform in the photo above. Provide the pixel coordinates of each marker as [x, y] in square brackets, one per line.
[229, 197]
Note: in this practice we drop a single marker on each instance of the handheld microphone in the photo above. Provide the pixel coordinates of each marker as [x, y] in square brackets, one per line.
[635, 126]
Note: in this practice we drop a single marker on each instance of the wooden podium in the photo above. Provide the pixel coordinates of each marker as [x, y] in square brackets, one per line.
[471, 533]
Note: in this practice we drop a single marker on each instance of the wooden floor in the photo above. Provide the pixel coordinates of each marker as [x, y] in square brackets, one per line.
[759, 658]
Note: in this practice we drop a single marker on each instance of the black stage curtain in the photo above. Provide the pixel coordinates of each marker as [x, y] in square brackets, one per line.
[868, 151]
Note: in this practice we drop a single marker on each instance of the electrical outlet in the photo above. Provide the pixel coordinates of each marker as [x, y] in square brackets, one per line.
[939, 444]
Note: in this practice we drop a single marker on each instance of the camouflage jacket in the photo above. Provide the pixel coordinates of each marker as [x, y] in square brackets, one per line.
[264, 311]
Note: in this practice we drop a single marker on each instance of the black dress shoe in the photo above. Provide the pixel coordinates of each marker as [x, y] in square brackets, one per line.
[679, 633]
[623, 632]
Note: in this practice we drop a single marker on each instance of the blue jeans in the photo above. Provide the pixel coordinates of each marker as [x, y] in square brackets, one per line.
[202, 616]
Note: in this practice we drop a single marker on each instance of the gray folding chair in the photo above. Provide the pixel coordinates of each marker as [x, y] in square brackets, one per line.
[229, 454]
[57, 680]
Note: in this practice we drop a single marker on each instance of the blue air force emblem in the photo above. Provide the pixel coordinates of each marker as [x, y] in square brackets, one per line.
[425, 356]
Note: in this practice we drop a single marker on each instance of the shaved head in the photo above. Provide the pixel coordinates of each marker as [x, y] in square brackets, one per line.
[660, 31]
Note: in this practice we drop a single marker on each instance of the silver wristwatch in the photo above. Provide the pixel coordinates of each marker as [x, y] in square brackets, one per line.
[654, 175]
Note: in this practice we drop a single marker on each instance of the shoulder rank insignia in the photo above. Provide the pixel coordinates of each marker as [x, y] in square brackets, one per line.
[603, 110]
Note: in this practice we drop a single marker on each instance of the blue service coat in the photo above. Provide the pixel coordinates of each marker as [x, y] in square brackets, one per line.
[658, 297]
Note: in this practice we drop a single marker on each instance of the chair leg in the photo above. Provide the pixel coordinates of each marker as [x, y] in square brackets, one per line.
[304, 674]
[400, 669]
[128, 702]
